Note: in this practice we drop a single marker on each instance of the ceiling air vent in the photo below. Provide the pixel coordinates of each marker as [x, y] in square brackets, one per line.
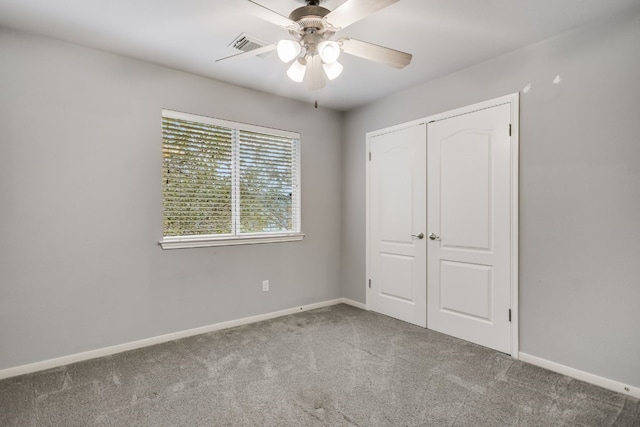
[246, 43]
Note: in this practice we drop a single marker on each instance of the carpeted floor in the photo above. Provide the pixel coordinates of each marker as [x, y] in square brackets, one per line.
[336, 366]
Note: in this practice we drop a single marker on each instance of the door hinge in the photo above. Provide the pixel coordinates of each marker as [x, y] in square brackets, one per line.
[369, 155]
[509, 129]
[509, 315]
[369, 283]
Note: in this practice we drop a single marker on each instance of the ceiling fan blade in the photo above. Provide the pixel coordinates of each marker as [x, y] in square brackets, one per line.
[254, 52]
[375, 53]
[354, 10]
[268, 15]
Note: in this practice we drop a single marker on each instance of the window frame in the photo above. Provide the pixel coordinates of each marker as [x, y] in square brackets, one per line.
[207, 240]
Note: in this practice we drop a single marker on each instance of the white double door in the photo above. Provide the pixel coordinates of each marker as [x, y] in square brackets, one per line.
[440, 225]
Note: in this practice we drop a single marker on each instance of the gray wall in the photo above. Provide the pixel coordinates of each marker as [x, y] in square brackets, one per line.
[579, 189]
[81, 205]
[80, 198]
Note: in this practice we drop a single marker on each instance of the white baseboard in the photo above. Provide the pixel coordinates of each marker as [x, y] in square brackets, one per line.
[108, 351]
[581, 375]
[354, 303]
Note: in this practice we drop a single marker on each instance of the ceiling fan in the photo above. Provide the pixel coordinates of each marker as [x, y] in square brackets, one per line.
[313, 54]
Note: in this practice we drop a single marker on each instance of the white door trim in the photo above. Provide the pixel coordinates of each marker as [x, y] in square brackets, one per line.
[514, 101]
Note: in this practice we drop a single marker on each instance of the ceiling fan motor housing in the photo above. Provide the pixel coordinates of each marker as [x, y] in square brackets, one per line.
[310, 17]
[312, 29]
[311, 12]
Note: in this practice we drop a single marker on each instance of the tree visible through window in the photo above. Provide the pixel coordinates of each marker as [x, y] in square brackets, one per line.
[226, 179]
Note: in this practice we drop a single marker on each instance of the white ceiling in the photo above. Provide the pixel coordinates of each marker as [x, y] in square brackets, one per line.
[443, 36]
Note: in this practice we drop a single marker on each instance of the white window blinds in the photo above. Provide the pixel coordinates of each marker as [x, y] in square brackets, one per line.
[226, 180]
[267, 177]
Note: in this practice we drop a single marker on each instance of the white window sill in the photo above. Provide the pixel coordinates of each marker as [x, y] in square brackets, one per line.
[203, 242]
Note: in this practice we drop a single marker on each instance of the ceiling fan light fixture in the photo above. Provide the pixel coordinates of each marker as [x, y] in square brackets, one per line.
[288, 50]
[329, 51]
[312, 55]
[333, 70]
[297, 71]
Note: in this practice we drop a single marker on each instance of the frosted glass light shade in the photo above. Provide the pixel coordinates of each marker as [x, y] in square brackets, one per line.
[329, 51]
[315, 77]
[288, 49]
[296, 71]
[333, 70]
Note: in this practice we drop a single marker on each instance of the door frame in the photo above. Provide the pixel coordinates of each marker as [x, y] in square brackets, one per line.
[514, 102]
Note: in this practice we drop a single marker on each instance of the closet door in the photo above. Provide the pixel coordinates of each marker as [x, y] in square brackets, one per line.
[397, 284]
[470, 226]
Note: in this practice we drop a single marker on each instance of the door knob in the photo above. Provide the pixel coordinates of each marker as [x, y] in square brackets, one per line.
[419, 236]
[434, 236]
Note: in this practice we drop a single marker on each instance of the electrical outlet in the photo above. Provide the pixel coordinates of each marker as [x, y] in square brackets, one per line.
[265, 285]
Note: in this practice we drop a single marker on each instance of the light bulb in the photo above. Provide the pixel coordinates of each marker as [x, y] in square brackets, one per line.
[288, 49]
[333, 70]
[297, 70]
[329, 51]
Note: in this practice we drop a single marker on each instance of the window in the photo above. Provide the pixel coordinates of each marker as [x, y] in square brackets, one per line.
[228, 183]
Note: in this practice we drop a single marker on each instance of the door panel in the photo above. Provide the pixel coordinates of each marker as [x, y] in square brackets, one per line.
[465, 289]
[469, 210]
[395, 190]
[396, 276]
[397, 210]
[465, 173]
